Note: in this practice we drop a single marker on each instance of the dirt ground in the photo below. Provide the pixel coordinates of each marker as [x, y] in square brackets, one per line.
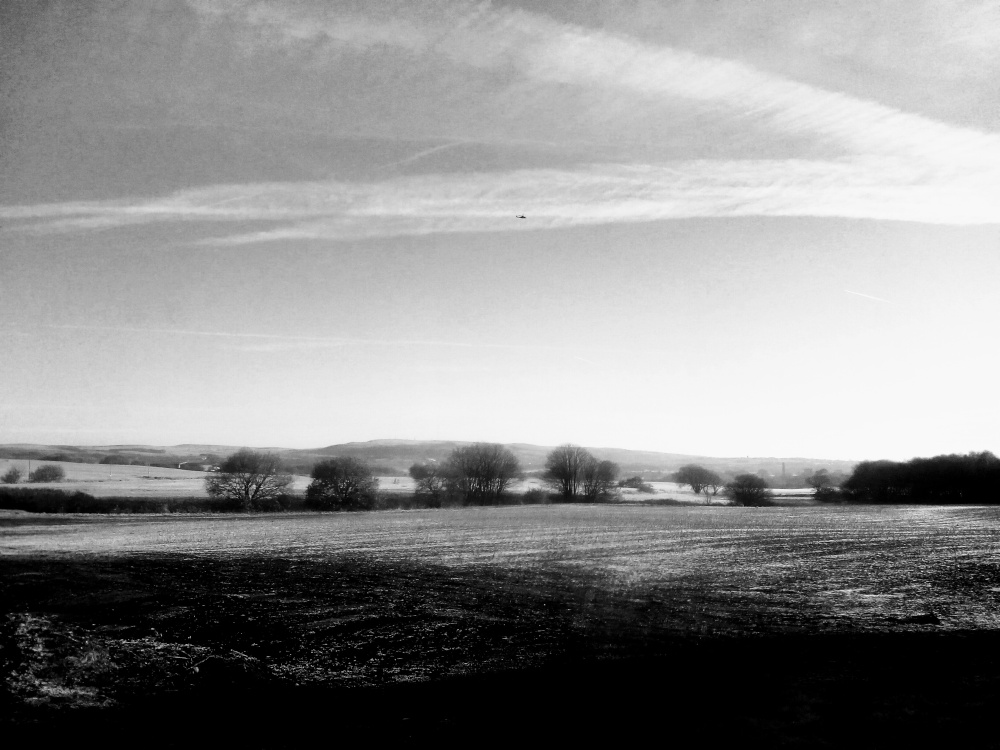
[791, 627]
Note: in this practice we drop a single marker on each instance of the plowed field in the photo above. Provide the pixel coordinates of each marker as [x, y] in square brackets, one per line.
[104, 611]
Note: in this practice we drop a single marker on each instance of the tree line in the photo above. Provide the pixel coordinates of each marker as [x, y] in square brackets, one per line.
[44, 473]
[743, 489]
[952, 478]
[478, 474]
[482, 473]
[943, 479]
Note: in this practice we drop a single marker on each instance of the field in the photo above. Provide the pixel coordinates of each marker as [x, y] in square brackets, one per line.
[109, 480]
[792, 625]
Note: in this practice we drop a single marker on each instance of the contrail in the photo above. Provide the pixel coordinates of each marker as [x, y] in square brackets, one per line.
[230, 200]
[868, 296]
[422, 154]
[321, 340]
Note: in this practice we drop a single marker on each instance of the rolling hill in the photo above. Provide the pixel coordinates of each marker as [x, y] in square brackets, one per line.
[396, 456]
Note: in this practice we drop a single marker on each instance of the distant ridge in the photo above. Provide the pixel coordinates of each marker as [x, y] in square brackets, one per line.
[399, 454]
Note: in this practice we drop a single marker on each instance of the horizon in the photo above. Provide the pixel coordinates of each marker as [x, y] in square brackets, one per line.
[325, 446]
[755, 230]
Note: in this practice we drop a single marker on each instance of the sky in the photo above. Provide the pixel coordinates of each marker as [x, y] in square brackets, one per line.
[750, 228]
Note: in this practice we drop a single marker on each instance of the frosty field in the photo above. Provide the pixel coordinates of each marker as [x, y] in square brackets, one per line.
[815, 567]
[838, 596]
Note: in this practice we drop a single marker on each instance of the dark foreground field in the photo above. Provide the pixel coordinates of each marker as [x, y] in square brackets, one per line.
[792, 627]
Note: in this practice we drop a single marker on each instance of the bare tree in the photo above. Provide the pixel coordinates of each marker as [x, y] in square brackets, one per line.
[343, 482]
[481, 472]
[822, 483]
[712, 487]
[599, 479]
[699, 478]
[248, 477]
[430, 481]
[564, 468]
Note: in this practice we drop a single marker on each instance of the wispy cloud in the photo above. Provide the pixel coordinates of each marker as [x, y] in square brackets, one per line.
[264, 342]
[880, 188]
[891, 165]
[546, 51]
[421, 154]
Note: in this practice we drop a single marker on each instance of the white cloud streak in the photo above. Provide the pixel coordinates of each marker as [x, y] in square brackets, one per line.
[263, 342]
[894, 165]
[879, 188]
[545, 51]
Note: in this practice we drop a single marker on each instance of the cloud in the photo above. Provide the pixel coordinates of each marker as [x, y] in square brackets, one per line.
[891, 165]
[543, 50]
[973, 26]
[264, 342]
[877, 188]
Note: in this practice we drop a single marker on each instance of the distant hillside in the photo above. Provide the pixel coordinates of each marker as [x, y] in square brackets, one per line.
[402, 453]
[396, 456]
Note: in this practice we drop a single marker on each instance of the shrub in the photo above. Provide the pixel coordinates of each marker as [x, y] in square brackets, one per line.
[829, 495]
[279, 503]
[13, 476]
[50, 500]
[749, 489]
[44, 500]
[416, 501]
[343, 483]
[47, 473]
[637, 483]
[393, 501]
[535, 496]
